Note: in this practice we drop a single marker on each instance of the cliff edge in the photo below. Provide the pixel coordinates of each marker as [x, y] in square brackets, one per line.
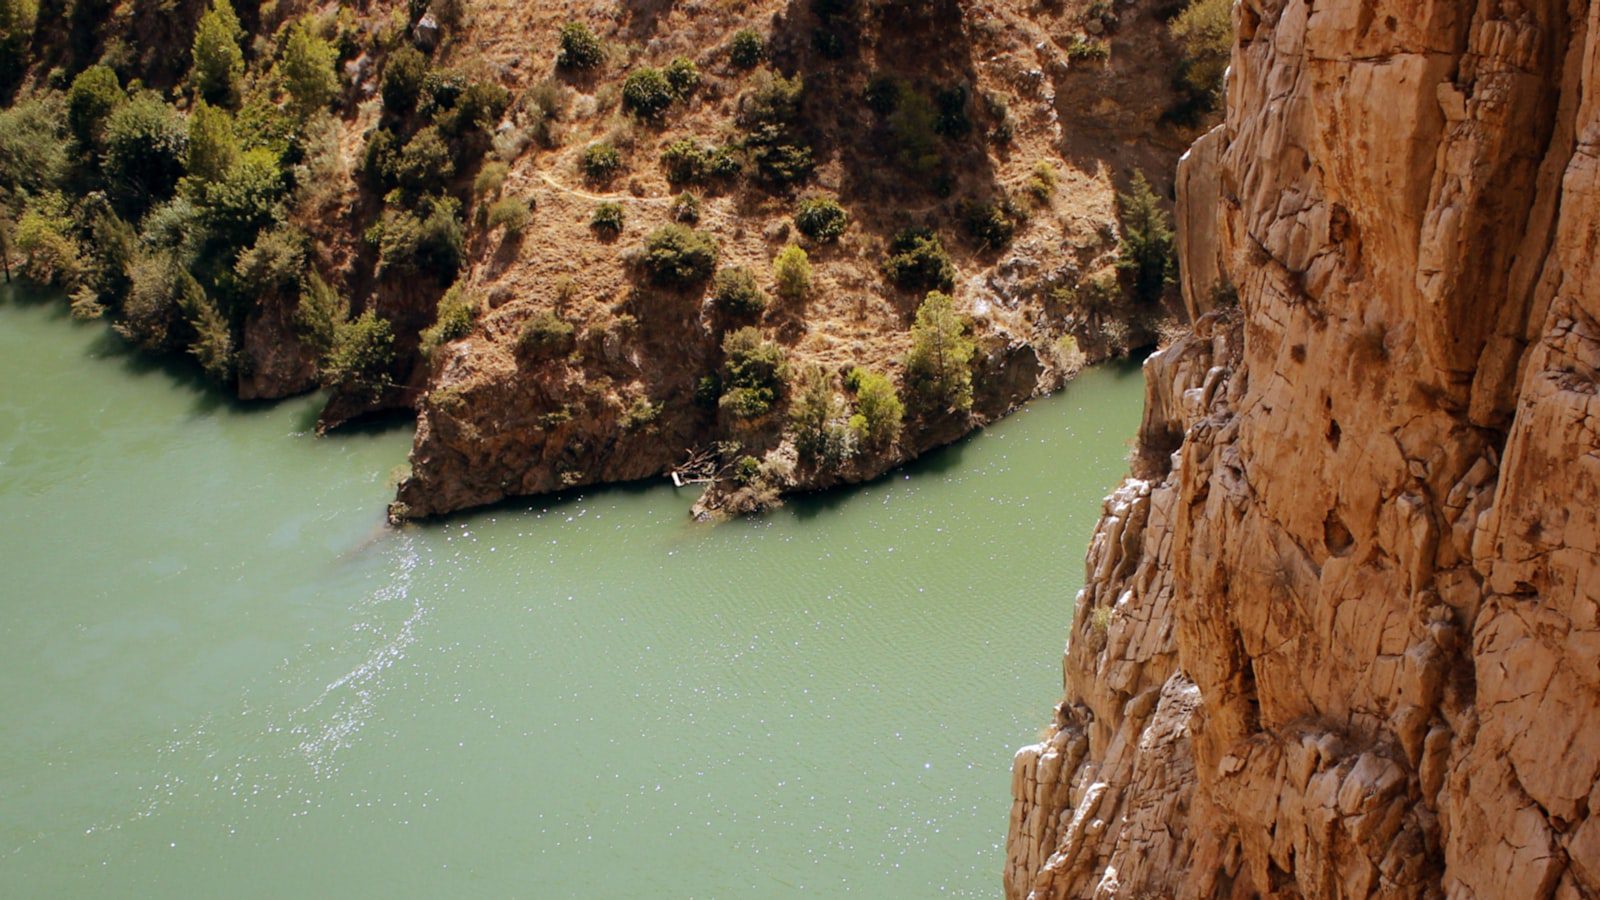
[1341, 629]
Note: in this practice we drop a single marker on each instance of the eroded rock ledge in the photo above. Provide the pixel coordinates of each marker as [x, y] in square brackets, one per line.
[1345, 639]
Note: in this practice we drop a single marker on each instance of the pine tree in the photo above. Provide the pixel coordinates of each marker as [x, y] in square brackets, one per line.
[307, 70]
[939, 366]
[217, 61]
[1146, 251]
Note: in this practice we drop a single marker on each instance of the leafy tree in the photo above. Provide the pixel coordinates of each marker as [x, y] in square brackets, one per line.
[747, 48]
[913, 125]
[147, 144]
[213, 343]
[792, 270]
[403, 75]
[678, 256]
[812, 411]
[33, 152]
[879, 411]
[821, 218]
[1146, 252]
[362, 351]
[938, 368]
[918, 261]
[580, 48]
[991, 223]
[320, 313]
[737, 294]
[274, 263]
[1205, 28]
[425, 164]
[217, 61]
[213, 146]
[94, 94]
[245, 200]
[17, 19]
[44, 236]
[753, 372]
[307, 70]
[429, 241]
[647, 93]
[160, 291]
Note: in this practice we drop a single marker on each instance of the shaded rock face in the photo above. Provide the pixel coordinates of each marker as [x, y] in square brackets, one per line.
[1344, 638]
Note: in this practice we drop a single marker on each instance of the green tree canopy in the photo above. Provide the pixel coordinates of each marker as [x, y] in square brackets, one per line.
[217, 61]
[307, 70]
[939, 366]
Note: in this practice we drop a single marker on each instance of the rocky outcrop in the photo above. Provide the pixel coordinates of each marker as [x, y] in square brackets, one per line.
[1343, 639]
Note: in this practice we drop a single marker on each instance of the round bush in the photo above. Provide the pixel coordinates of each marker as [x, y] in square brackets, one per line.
[821, 218]
[646, 93]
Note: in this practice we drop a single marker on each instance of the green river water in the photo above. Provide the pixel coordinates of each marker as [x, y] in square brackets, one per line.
[222, 675]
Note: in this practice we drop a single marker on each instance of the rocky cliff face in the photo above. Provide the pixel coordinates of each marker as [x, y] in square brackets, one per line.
[1341, 635]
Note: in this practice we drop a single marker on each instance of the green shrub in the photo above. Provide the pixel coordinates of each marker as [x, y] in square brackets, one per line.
[546, 335]
[1042, 184]
[307, 71]
[480, 106]
[646, 93]
[274, 263]
[94, 94]
[147, 143]
[747, 470]
[217, 62]
[607, 218]
[686, 208]
[770, 115]
[362, 351]
[453, 319]
[771, 100]
[33, 151]
[747, 48]
[44, 236]
[245, 200]
[403, 76]
[1085, 49]
[159, 290]
[883, 94]
[429, 242]
[640, 414]
[918, 261]
[1205, 29]
[821, 218]
[737, 294]
[753, 372]
[686, 161]
[426, 163]
[213, 146]
[17, 19]
[938, 368]
[682, 74]
[600, 161]
[812, 414]
[580, 48]
[953, 121]
[510, 213]
[912, 127]
[490, 179]
[319, 313]
[213, 343]
[678, 256]
[879, 411]
[1146, 252]
[991, 223]
[791, 268]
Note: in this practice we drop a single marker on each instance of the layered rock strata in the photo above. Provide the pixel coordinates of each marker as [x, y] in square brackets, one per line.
[1341, 634]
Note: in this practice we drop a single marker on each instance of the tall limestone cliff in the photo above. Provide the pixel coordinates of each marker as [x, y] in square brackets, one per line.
[1341, 634]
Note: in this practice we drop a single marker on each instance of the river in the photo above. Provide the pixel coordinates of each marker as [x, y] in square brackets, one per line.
[222, 675]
